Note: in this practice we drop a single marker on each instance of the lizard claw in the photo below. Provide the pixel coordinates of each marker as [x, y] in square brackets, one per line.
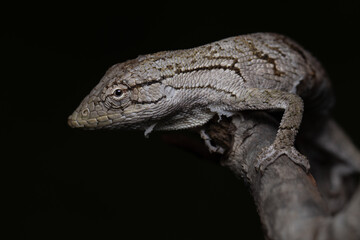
[271, 153]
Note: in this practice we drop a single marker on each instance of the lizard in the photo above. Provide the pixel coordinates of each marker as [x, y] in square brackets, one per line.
[182, 89]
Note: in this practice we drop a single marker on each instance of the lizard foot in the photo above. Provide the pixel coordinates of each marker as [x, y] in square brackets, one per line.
[211, 147]
[271, 153]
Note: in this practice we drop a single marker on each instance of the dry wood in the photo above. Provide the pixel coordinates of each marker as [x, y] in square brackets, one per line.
[288, 200]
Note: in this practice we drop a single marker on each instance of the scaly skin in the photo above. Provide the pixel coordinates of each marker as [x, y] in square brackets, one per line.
[185, 88]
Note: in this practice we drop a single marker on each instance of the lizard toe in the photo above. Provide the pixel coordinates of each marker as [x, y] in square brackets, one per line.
[271, 153]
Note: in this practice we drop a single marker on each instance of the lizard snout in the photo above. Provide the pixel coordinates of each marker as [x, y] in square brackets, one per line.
[79, 118]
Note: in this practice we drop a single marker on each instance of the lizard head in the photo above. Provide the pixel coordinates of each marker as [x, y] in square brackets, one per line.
[130, 95]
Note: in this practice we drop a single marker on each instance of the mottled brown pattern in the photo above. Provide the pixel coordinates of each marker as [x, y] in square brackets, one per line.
[185, 88]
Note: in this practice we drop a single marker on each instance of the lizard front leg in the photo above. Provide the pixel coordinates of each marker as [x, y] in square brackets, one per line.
[270, 99]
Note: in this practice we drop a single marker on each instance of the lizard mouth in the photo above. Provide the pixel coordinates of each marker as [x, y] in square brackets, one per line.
[92, 123]
[74, 123]
[79, 120]
[82, 120]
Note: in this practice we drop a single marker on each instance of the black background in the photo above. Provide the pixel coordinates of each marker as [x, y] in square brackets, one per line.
[68, 183]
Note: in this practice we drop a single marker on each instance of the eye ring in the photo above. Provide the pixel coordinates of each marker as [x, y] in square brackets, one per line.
[118, 93]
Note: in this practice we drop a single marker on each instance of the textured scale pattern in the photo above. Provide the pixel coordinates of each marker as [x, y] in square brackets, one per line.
[185, 88]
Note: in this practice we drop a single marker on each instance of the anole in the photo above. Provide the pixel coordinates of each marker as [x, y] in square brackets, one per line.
[181, 89]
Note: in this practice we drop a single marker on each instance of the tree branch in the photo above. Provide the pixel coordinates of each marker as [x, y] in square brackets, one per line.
[288, 200]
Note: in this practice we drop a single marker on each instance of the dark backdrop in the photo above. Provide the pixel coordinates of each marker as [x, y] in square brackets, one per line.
[68, 183]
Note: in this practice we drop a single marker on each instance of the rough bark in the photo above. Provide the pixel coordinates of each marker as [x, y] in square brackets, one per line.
[292, 204]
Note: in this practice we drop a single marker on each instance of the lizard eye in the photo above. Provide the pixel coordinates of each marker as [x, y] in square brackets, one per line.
[116, 96]
[118, 93]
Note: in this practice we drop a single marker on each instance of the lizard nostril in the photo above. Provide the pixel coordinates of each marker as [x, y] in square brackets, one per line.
[85, 112]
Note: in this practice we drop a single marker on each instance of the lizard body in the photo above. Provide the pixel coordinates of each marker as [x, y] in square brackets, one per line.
[185, 88]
